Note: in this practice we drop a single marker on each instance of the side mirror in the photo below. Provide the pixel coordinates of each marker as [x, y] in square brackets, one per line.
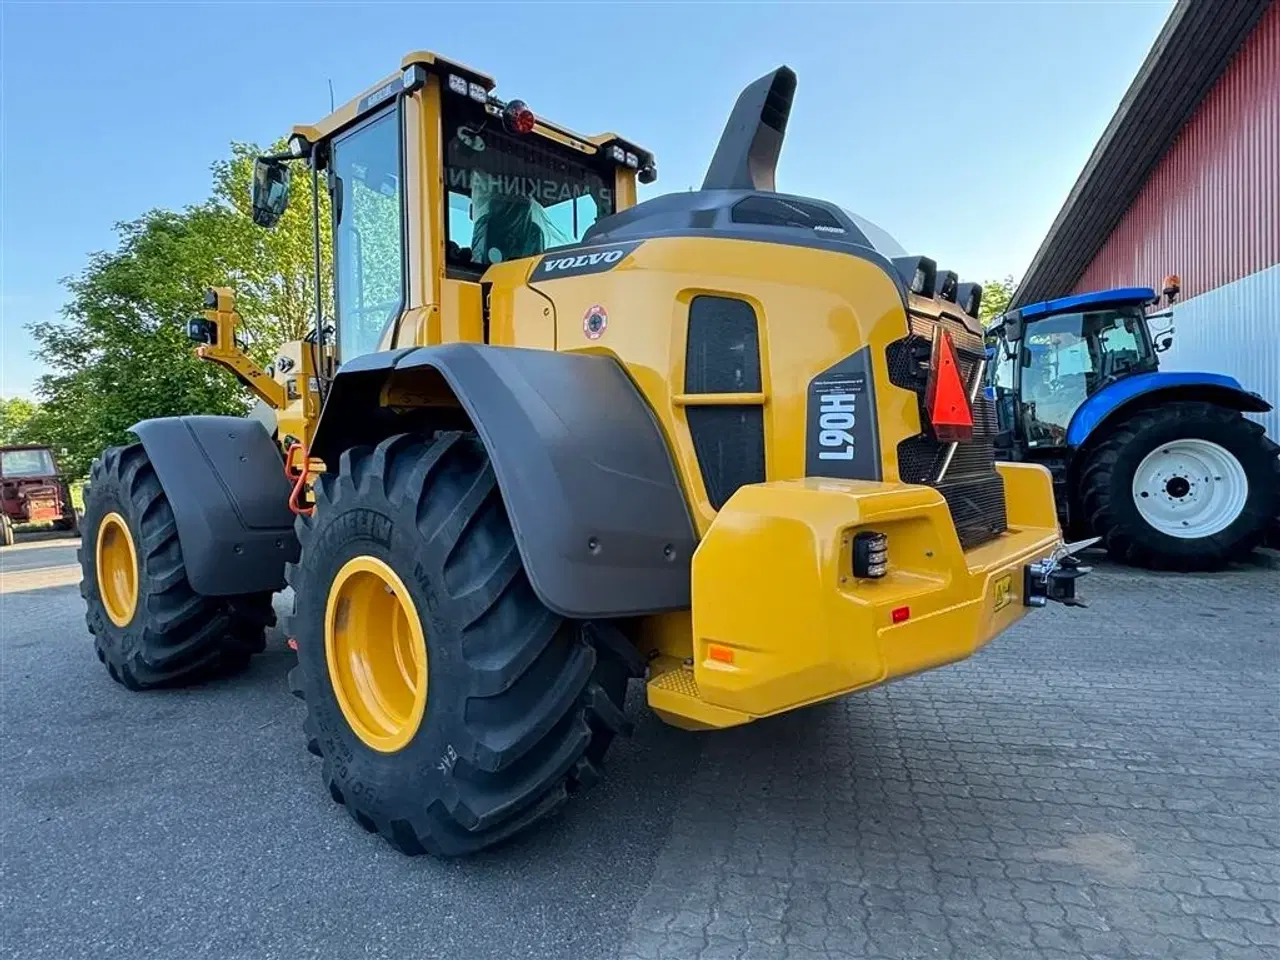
[1013, 326]
[270, 191]
[998, 342]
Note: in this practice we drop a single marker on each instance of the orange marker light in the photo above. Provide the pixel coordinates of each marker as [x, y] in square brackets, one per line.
[901, 614]
[722, 654]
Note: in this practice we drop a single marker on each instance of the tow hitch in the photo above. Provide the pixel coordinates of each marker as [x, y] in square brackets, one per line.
[1054, 577]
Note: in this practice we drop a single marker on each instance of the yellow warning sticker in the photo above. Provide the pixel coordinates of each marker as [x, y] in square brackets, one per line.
[1004, 591]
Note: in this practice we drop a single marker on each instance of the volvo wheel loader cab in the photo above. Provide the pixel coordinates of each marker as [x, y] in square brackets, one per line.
[728, 442]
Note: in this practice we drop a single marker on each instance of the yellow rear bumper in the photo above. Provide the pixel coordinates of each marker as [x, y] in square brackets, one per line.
[779, 620]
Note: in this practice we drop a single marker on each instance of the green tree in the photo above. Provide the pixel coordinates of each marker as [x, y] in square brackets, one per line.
[273, 270]
[996, 295]
[16, 415]
[121, 354]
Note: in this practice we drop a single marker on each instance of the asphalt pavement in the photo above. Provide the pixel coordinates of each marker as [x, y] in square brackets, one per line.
[1101, 783]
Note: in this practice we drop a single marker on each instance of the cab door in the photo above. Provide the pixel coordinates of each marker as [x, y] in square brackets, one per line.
[367, 200]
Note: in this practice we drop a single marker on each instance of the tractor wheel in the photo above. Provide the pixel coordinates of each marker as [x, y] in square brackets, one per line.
[1185, 486]
[6, 531]
[149, 627]
[451, 708]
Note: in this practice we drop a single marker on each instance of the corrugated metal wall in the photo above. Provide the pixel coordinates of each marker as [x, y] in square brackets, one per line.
[1211, 210]
[1235, 330]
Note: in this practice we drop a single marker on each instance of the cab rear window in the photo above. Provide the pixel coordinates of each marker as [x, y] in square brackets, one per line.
[512, 196]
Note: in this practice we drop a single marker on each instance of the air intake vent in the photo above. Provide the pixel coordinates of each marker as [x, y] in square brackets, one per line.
[722, 356]
[777, 212]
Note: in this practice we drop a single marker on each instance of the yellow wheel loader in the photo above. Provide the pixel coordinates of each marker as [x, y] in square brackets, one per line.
[730, 443]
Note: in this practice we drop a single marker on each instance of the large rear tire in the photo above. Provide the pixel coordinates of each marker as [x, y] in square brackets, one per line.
[6, 531]
[1185, 486]
[451, 708]
[149, 627]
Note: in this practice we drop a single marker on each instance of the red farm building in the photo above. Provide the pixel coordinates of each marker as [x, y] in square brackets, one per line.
[1186, 180]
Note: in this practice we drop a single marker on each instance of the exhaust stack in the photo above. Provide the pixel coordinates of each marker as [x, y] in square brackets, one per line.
[746, 157]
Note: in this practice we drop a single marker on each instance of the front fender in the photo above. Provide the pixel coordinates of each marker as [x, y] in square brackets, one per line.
[1145, 388]
[594, 498]
[224, 479]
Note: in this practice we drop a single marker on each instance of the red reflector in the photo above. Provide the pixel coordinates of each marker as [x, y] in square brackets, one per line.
[946, 400]
[901, 614]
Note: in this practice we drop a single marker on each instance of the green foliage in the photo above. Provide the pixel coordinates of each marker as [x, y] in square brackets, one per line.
[16, 416]
[273, 270]
[996, 295]
[121, 353]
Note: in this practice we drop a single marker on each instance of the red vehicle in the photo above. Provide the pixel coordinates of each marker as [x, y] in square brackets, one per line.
[32, 491]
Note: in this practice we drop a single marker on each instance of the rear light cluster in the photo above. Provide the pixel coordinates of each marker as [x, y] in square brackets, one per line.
[924, 279]
[870, 555]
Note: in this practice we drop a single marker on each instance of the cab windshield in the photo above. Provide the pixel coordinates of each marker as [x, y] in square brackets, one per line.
[512, 196]
[26, 463]
[1067, 358]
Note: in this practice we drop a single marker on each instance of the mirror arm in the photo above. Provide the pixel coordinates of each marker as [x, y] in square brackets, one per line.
[224, 321]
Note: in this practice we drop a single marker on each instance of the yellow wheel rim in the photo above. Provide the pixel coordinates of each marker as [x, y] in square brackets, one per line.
[377, 653]
[117, 564]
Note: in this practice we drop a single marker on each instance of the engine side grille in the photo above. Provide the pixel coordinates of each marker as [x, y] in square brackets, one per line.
[722, 355]
[729, 442]
[974, 491]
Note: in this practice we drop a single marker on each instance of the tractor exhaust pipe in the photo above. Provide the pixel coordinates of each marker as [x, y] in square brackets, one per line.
[747, 156]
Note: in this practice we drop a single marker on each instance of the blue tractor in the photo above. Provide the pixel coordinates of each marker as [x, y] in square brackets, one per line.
[1163, 466]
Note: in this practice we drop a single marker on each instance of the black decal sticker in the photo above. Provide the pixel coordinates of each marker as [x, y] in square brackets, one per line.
[384, 92]
[576, 262]
[840, 422]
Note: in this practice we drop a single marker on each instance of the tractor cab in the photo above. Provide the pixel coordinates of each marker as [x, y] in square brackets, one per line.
[1047, 359]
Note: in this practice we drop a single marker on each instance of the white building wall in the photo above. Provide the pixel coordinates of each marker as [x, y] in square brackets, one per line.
[1234, 329]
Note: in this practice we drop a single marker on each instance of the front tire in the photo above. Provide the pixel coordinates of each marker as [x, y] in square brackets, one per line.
[1184, 486]
[7, 536]
[149, 627]
[451, 708]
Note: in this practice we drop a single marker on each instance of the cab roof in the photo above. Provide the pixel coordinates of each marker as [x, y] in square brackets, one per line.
[372, 97]
[1096, 300]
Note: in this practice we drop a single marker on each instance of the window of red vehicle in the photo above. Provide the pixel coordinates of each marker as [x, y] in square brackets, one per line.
[26, 463]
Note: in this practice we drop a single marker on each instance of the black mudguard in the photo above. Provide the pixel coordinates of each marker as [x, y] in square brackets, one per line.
[586, 475]
[224, 478]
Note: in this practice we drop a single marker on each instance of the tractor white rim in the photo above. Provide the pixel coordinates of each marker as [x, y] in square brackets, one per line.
[1190, 488]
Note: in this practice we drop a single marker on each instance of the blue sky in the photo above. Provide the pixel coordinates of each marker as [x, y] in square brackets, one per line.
[959, 127]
